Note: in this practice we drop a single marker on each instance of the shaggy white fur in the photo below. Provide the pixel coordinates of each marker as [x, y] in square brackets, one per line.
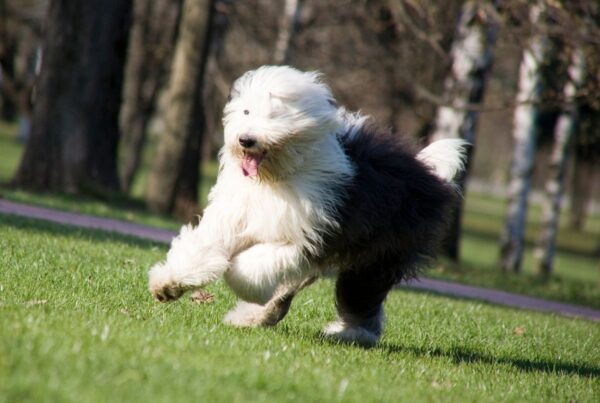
[256, 230]
[349, 333]
[281, 169]
[445, 157]
[245, 314]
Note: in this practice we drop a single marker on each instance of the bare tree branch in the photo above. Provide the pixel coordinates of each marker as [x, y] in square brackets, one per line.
[399, 14]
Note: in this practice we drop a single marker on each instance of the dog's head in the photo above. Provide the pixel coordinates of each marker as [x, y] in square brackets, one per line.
[273, 114]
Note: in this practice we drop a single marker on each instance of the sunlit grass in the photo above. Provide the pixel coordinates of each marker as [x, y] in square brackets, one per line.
[576, 277]
[77, 324]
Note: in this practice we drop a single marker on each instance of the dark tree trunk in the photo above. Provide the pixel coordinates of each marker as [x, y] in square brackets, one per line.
[74, 135]
[173, 177]
[186, 206]
[8, 110]
[186, 194]
[451, 243]
[150, 49]
[217, 87]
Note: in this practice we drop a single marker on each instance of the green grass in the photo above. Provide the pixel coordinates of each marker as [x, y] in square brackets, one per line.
[77, 324]
[10, 151]
[577, 271]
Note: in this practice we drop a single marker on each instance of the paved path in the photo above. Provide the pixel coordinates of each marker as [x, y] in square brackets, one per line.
[86, 221]
[437, 286]
[503, 298]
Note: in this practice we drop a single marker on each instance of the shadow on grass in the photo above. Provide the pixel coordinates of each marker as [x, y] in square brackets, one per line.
[55, 229]
[464, 355]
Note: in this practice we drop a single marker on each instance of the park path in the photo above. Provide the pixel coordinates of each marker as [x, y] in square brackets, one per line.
[430, 285]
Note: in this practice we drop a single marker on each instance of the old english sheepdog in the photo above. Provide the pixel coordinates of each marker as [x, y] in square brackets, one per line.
[305, 187]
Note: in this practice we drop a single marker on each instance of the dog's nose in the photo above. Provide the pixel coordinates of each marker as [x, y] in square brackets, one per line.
[247, 141]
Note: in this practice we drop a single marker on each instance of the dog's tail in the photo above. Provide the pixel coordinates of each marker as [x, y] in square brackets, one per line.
[445, 157]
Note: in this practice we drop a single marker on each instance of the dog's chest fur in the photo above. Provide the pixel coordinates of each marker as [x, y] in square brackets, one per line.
[296, 211]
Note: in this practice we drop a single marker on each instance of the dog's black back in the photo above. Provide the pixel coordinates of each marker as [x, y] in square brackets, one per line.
[391, 222]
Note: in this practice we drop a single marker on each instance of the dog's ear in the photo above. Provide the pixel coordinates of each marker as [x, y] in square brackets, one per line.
[233, 93]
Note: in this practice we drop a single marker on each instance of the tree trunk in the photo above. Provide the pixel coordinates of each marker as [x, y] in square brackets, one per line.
[150, 48]
[8, 110]
[563, 135]
[186, 195]
[74, 135]
[182, 120]
[524, 136]
[472, 54]
[580, 192]
[287, 27]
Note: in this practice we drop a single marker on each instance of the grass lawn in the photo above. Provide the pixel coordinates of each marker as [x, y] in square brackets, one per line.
[77, 324]
[10, 150]
[577, 273]
[577, 266]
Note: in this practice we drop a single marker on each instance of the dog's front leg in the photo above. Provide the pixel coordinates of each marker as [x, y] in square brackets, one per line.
[193, 261]
[266, 277]
[257, 272]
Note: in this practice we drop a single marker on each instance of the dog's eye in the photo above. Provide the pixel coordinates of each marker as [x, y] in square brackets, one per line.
[246, 112]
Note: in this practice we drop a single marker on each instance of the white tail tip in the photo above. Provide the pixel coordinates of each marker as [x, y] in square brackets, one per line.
[445, 157]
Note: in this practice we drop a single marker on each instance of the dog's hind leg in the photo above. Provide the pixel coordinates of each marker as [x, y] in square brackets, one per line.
[247, 314]
[360, 293]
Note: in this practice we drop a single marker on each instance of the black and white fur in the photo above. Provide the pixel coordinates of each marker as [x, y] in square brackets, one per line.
[305, 187]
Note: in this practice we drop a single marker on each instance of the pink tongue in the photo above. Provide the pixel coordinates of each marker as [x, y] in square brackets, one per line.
[250, 165]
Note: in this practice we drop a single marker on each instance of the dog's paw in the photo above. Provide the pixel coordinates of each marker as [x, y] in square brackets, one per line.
[346, 333]
[162, 286]
[245, 314]
[167, 294]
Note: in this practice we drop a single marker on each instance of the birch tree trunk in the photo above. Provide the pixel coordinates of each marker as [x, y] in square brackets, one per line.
[524, 137]
[183, 119]
[286, 31]
[151, 42]
[73, 143]
[472, 55]
[563, 134]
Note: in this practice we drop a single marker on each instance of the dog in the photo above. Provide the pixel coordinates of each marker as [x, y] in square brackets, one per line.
[305, 187]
